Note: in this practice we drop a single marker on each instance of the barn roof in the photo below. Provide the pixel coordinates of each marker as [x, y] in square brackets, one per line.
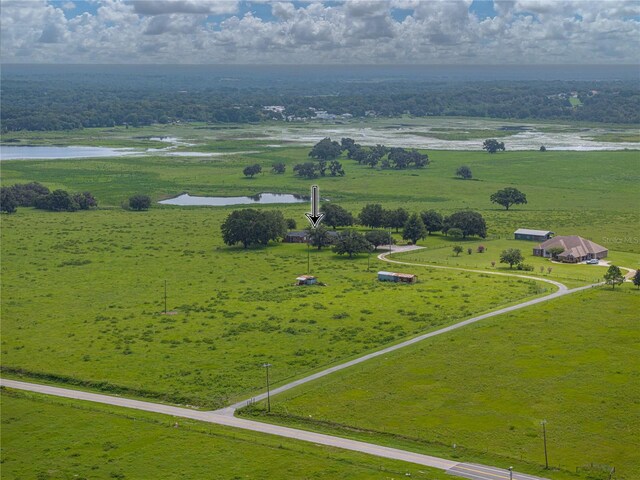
[528, 231]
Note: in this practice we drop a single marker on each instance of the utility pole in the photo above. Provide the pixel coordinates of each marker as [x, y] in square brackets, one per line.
[267, 365]
[308, 258]
[544, 436]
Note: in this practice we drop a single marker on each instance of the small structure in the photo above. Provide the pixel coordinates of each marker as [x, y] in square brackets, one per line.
[296, 237]
[306, 280]
[536, 235]
[397, 277]
[576, 249]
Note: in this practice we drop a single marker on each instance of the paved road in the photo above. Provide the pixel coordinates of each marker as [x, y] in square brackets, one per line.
[479, 472]
[562, 290]
[225, 416]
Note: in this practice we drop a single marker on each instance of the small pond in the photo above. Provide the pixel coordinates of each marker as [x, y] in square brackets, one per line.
[24, 152]
[187, 200]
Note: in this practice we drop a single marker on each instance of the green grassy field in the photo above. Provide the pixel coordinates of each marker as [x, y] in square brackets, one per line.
[50, 438]
[486, 388]
[563, 192]
[571, 275]
[83, 299]
[82, 293]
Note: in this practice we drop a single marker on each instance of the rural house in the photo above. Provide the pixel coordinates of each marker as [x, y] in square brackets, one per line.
[296, 237]
[303, 236]
[397, 277]
[528, 234]
[576, 249]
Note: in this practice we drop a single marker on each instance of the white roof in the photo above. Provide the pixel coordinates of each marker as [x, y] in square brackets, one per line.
[527, 231]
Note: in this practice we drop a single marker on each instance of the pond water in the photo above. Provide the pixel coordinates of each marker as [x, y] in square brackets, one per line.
[185, 200]
[24, 152]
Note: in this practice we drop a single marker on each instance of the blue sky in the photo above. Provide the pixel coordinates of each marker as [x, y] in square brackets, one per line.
[346, 31]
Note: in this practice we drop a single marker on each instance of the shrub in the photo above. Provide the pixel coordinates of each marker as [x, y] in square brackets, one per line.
[140, 202]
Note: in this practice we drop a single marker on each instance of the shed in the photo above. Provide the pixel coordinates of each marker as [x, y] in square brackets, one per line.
[296, 237]
[306, 280]
[535, 235]
[397, 277]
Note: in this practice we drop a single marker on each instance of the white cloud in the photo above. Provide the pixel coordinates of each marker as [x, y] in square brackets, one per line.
[360, 31]
[163, 7]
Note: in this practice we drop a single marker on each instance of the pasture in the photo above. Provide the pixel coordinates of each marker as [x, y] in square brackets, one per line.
[72, 439]
[83, 298]
[486, 388]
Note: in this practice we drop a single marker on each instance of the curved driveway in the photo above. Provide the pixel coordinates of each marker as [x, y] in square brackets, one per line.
[562, 290]
[226, 416]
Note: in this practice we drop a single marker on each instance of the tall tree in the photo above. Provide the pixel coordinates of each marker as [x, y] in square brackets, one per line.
[278, 167]
[249, 227]
[378, 237]
[8, 202]
[252, 170]
[613, 276]
[432, 221]
[372, 215]
[492, 145]
[306, 170]
[508, 196]
[512, 256]
[335, 169]
[396, 218]
[319, 237]
[468, 221]
[326, 150]
[636, 279]
[336, 216]
[414, 229]
[351, 243]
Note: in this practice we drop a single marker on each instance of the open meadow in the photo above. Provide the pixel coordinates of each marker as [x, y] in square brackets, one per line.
[487, 387]
[83, 298]
[71, 439]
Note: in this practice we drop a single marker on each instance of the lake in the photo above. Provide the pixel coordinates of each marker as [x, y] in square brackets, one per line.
[24, 152]
[185, 200]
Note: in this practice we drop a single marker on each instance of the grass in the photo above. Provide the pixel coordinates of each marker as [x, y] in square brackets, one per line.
[71, 439]
[569, 274]
[82, 297]
[83, 302]
[486, 388]
[564, 194]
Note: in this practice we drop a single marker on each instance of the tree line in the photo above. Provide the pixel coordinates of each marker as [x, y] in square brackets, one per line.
[70, 101]
[39, 196]
[254, 227]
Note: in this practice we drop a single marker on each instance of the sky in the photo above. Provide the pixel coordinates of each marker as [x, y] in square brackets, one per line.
[347, 32]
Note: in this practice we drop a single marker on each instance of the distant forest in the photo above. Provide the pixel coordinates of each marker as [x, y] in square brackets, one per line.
[77, 100]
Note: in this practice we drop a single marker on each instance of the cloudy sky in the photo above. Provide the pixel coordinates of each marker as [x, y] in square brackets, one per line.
[316, 32]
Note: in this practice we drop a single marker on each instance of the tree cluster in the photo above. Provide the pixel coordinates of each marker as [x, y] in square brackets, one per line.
[253, 227]
[492, 145]
[37, 195]
[395, 157]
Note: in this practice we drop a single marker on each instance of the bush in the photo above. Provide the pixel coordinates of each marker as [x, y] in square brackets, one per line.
[454, 232]
[525, 266]
[140, 202]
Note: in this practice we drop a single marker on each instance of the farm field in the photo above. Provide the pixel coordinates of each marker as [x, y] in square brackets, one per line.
[82, 440]
[83, 296]
[566, 362]
[83, 302]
